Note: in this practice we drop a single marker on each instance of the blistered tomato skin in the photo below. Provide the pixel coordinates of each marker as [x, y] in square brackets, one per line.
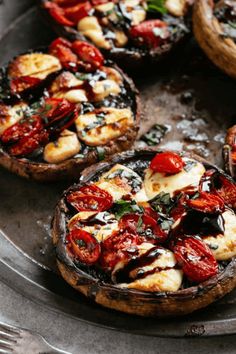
[207, 203]
[78, 11]
[90, 198]
[83, 246]
[146, 33]
[58, 14]
[88, 53]
[119, 246]
[61, 49]
[25, 136]
[22, 128]
[196, 259]
[23, 83]
[167, 162]
[220, 185]
[28, 144]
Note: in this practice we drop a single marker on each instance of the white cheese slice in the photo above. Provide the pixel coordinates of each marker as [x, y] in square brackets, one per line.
[106, 124]
[176, 7]
[102, 89]
[118, 186]
[65, 147]
[90, 28]
[11, 115]
[38, 65]
[224, 246]
[81, 216]
[155, 183]
[165, 278]
[67, 86]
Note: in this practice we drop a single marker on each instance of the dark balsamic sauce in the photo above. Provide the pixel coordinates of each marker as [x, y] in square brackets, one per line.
[123, 275]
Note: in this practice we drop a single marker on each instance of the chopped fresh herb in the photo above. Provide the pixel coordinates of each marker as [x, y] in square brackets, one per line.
[132, 180]
[81, 243]
[100, 153]
[82, 76]
[157, 6]
[47, 107]
[162, 203]
[213, 247]
[122, 207]
[139, 225]
[165, 223]
[232, 24]
[155, 135]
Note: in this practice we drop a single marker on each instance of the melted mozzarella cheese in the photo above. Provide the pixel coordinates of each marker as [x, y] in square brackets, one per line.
[165, 278]
[136, 11]
[155, 183]
[118, 186]
[10, 115]
[100, 231]
[112, 74]
[90, 28]
[82, 216]
[65, 147]
[120, 38]
[37, 65]
[68, 86]
[224, 246]
[103, 126]
[176, 7]
[102, 89]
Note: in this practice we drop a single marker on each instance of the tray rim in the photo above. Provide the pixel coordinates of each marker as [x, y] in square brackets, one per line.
[25, 284]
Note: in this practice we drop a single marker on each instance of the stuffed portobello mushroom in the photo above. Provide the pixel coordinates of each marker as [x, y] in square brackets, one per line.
[149, 233]
[131, 32]
[214, 25]
[64, 109]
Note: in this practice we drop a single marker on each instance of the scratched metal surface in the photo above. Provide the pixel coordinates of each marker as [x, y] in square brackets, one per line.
[197, 122]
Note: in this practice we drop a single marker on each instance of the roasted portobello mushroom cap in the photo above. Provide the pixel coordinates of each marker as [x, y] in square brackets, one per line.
[130, 32]
[214, 26]
[149, 233]
[63, 109]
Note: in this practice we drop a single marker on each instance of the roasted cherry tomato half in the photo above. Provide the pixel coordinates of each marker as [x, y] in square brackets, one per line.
[29, 143]
[78, 11]
[217, 183]
[100, 2]
[151, 33]
[119, 246]
[90, 198]
[66, 3]
[60, 48]
[23, 83]
[196, 259]
[83, 246]
[55, 109]
[88, 54]
[58, 14]
[140, 224]
[226, 190]
[207, 203]
[24, 127]
[167, 162]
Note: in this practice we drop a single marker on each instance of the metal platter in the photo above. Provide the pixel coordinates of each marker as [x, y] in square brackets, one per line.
[196, 103]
